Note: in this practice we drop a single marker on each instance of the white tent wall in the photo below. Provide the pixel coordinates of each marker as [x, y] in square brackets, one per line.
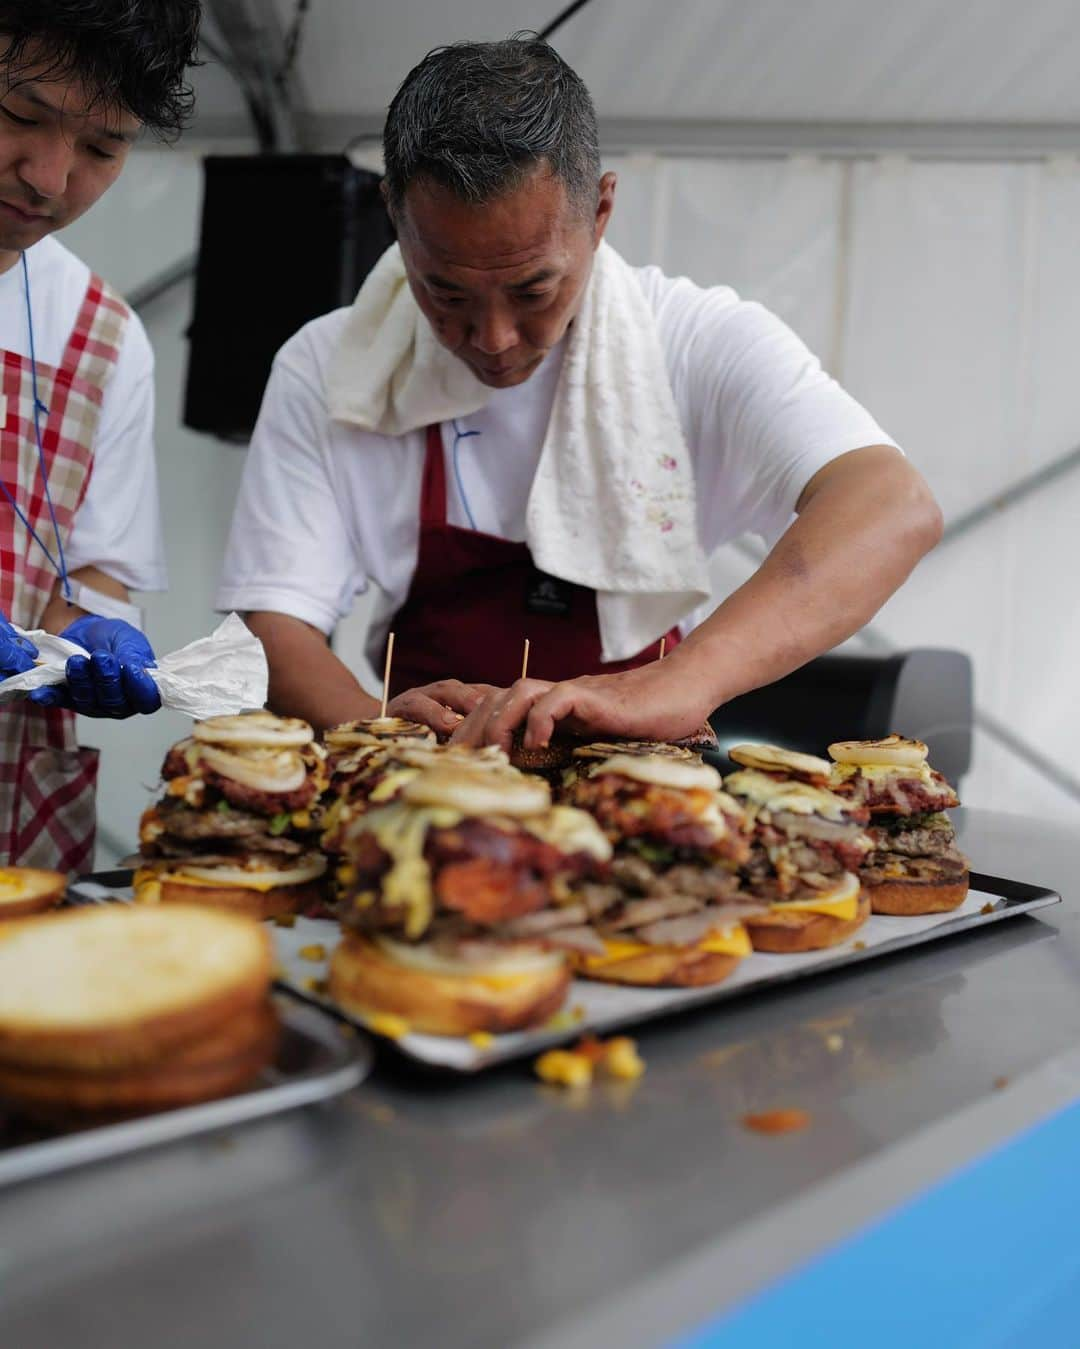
[945, 295]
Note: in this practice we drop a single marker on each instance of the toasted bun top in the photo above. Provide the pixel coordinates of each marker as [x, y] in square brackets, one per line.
[475, 790]
[796, 798]
[260, 729]
[660, 771]
[604, 749]
[776, 759]
[116, 965]
[18, 884]
[374, 730]
[894, 750]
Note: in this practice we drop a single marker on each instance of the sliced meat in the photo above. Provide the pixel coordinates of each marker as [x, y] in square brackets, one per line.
[583, 939]
[547, 920]
[637, 911]
[913, 842]
[691, 929]
[486, 891]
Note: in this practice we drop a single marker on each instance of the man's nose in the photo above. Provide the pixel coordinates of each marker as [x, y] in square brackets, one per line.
[46, 167]
[494, 332]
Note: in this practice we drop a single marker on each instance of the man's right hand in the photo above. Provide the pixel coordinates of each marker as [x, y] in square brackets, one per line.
[442, 706]
[16, 653]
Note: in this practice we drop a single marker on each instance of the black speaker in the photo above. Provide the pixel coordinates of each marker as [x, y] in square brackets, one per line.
[925, 694]
[285, 238]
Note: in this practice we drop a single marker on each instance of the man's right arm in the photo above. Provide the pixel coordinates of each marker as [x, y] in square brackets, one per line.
[306, 679]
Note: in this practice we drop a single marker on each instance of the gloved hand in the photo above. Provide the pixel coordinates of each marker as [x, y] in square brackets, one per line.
[16, 653]
[111, 681]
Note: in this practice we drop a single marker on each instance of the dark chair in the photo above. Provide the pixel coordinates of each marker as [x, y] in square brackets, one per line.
[925, 694]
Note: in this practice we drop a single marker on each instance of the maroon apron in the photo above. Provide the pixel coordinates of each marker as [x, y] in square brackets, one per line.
[475, 598]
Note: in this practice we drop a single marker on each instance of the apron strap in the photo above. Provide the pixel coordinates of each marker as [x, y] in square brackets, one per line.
[433, 487]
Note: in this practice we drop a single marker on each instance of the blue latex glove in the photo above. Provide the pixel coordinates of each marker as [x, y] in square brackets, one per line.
[16, 653]
[111, 681]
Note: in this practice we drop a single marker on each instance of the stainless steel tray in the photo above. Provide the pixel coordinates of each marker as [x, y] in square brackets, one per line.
[606, 1007]
[315, 1061]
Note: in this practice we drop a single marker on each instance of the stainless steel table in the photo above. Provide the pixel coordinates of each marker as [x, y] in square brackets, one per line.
[431, 1211]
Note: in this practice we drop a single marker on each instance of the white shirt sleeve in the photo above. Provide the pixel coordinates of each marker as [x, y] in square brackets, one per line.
[290, 547]
[760, 414]
[118, 525]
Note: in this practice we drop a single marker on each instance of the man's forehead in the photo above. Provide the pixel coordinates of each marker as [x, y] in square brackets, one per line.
[525, 229]
[68, 98]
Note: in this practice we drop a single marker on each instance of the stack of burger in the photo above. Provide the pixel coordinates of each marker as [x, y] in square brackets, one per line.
[671, 912]
[808, 844]
[353, 749]
[915, 866]
[234, 827]
[115, 1011]
[448, 895]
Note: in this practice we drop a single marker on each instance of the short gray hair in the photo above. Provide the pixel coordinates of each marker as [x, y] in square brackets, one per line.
[478, 117]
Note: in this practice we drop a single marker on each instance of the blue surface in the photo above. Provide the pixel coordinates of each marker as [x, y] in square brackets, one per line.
[989, 1257]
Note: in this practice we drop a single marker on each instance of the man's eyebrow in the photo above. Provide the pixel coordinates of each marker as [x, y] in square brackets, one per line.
[545, 274]
[31, 95]
[441, 282]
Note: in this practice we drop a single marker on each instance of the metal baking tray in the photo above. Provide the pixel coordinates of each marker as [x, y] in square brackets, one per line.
[315, 1061]
[597, 1007]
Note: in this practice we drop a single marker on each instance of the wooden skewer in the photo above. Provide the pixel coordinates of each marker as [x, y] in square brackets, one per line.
[525, 660]
[386, 676]
[663, 647]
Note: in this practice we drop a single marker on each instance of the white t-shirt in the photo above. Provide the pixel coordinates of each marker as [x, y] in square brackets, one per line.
[118, 527]
[326, 509]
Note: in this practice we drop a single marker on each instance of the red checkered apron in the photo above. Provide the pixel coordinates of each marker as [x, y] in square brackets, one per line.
[47, 782]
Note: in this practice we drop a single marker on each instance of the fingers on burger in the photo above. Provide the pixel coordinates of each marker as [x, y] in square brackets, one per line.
[671, 911]
[449, 898]
[915, 866]
[233, 826]
[807, 846]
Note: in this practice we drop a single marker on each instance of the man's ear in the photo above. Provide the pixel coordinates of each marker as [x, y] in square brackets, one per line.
[605, 204]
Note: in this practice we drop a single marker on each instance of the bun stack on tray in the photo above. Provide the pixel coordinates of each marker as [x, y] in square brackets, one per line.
[807, 846]
[117, 1011]
[915, 866]
[450, 896]
[235, 827]
[670, 911]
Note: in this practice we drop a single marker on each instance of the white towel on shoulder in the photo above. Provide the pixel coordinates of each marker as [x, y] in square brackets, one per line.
[613, 505]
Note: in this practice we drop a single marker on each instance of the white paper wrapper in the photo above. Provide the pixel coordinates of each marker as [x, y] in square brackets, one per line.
[218, 675]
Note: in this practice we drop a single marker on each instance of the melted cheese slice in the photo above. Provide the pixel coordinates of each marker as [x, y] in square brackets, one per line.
[882, 773]
[731, 941]
[796, 798]
[843, 903]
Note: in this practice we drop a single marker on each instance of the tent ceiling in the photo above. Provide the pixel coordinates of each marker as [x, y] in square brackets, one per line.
[855, 61]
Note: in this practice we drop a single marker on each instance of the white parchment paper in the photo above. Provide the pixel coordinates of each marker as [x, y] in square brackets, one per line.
[218, 675]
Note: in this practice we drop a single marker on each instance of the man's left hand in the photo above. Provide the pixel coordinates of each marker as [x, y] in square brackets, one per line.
[112, 680]
[655, 702]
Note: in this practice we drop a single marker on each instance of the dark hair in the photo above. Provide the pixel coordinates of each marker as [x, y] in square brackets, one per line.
[131, 53]
[477, 117]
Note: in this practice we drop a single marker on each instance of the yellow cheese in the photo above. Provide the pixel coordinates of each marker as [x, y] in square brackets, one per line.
[845, 907]
[151, 882]
[302, 819]
[796, 798]
[392, 784]
[732, 941]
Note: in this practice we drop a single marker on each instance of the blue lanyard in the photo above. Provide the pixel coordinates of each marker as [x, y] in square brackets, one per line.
[459, 436]
[39, 408]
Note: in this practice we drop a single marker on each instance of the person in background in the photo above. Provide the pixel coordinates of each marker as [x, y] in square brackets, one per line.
[79, 521]
[513, 433]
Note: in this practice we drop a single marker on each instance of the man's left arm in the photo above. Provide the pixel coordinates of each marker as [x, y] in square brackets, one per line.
[863, 521]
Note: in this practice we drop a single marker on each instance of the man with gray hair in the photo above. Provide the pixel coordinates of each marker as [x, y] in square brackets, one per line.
[513, 433]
